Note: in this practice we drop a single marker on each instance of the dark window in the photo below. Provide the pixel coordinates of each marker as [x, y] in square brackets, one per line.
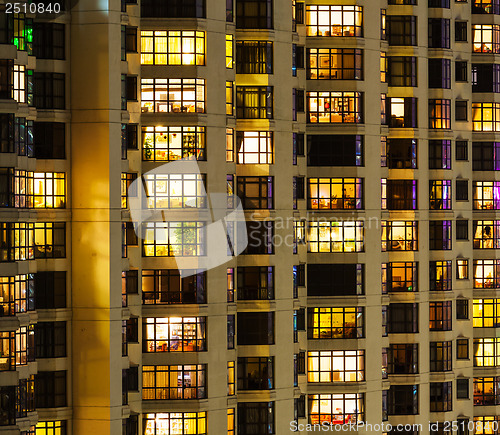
[231, 329]
[254, 14]
[403, 400]
[462, 189]
[298, 58]
[439, 235]
[462, 229]
[50, 140]
[485, 156]
[229, 11]
[131, 88]
[254, 102]
[255, 328]
[50, 391]
[130, 425]
[256, 192]
[254, 57]
[6, 79]
[461, 31]
[440, 278]
[402, 71]
[131, 39]
[256, 373]
[439, 4]
[50, 339]
[439, 33]
[48, 41]
[256, 418]
[462, 150]
[440, 397]
[50, 290]
[402, 359]
[402, 318]
[335, 279]
[460, 71]
[460, 110]
[173, 9]
[462, 309]
[440, 73]
[399, 194]
[401, 153]
[255, 283]
[166, 286]
[260, 238]
[402, 30]
[49, 90]
[439, 154]
[335, 150]
[7, 406]
[402, 112]
[485, 77]
[7, 133]
[440, 356]
[463, 388]
[462, 348]
[440, 318]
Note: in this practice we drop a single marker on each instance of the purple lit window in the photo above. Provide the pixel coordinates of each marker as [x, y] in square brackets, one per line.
[440, 195]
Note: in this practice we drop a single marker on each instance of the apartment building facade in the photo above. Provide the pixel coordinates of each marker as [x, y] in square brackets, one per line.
[361, 139]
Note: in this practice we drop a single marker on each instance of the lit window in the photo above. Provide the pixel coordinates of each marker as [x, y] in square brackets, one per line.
[172, 47]
[254, 147]
[175, 423]
[336, 366]
[230, 145]
[486, 234]
[127, 178]
[230, 421]
[486, 352]
[462, 269]
[327, 20]
[51, 428]
[173, 143]
[440, 316]
[486, 38]
[487, 391]
[440, 114]
[50, 239]
[399, 194]
[173, 95]
[335, 64]
[335, 193]
[486, 274]
[486, 195]
[229, 98]
[399, 277]
[19, 84]
[486, 425]
[49, 189]
[335, 107]
[229, 51]
[399, 235]
[486, 313]
[231, 378]
[383, 67]
[336, 236]
[174, 334]
[7, 349]
[175, 190]
[169, 239]
[174, 382]
[440, 278]
[485, 116]
[333, 323]
[486, 7]
[440, 195]
[336, 408]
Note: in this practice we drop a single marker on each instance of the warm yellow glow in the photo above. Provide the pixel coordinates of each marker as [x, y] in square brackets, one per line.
[328, 20]
[172, 47]
[336, 236]
[176, 423]
[336, 366]
[229, 51]
[255, 147]
[19, 83]
[50, 428]
[486, 117]
[485, 313]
